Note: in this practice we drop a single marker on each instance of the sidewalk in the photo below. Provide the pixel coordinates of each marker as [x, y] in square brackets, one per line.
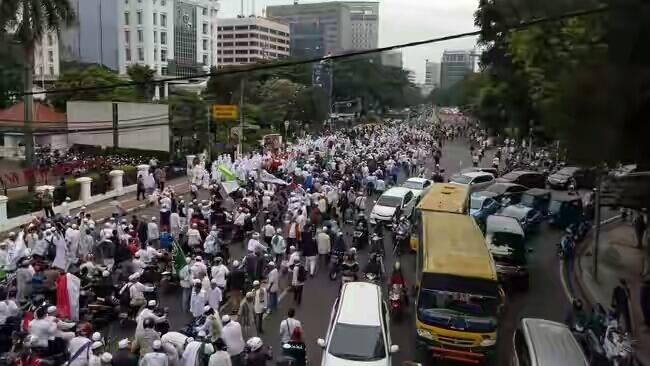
[102, 210]
[618, 258]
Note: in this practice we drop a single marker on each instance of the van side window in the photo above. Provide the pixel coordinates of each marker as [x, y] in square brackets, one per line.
[521, 349]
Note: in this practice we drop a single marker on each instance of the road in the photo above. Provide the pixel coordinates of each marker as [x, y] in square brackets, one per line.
[546, 297]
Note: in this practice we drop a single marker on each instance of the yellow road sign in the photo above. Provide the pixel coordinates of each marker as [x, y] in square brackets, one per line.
[226, 112]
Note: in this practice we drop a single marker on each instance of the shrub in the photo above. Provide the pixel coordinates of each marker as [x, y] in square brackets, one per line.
[22, 205]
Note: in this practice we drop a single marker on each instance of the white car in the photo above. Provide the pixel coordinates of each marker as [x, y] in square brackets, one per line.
[397, 201]
[419, 186]
[359, 331]
[477, 181]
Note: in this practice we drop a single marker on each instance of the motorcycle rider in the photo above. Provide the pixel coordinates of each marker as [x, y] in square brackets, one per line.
[361, 225]
[349, 268]
[376, 245]
[373, 266]
[576, 318]
[397, 278]
[404, 227]
[147, 313]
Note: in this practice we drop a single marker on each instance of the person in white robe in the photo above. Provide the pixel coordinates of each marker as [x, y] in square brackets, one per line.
[198, 299]
[60, 258]
[191, 353]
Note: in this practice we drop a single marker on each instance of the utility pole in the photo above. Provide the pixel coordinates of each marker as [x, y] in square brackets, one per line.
[597, 228]
[207, 117]
[116, 133]
[241, 116]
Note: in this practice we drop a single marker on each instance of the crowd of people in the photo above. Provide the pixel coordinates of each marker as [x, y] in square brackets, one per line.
[288, 208]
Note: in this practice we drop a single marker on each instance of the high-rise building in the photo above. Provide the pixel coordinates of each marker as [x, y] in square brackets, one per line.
[174, 37]
[455, 66]
[318, 29]
[247, 40]
[411, 76]
[432, 74]
[94, 37]
[46, 57]
[392, 58]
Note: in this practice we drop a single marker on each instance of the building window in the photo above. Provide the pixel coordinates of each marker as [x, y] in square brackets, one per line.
[227, 52]
[155, 18]
[240, 35]
[241, 44]
[163, 37]
[204, 11]
[253, 27]
[205, 45]
[254, 44]
[140, 36]
[155, 37]
[139, 16]
[229, 28]
[226, 35]
[241, 59]
[241, 27]
[205, 28]
[127, 36]
[155, 54]
[227, 60]
[51, 70]
[126, 18]
[140, 54]
[163, 3]
[163, 20]
[163, 55]
[205, 59]
[227, 44]
[253, 35]
[128, 53]
[241, 52]
[49, 40]
[50, 56]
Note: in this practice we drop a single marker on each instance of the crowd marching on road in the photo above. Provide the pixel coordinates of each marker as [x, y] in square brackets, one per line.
[231, 248]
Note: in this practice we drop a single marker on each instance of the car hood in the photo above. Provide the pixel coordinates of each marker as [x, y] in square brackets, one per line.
[384, 211]
[503, 180]
[558, 177]
[329, 360]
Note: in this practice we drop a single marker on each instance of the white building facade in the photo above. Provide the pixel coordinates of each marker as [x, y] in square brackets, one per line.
[46, 58]
[364, 19]
[174, 37]
[242, 41]
[432, 74]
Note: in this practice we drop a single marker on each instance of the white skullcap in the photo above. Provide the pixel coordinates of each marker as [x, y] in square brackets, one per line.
[123, 343]
[51, 309]
[198, 258]
[206, 308]
[256, 283]
[271, 264]
[134, 276]
[188, 259]
[196, 281]
[96, 345]
[201, 333]
[153, 219]
[97, 337]
[107, 357]
[292, 248]
[106, 273]
[235, 263]
[151, 303]
[157, 344]
[225, 318]
[74, 226]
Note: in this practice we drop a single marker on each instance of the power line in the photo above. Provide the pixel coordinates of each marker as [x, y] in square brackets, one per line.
[516, 27]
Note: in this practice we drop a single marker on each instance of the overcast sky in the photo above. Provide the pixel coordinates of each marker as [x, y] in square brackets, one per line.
[402, 21]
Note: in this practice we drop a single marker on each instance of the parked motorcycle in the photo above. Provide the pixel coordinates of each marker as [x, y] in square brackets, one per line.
[335, 264]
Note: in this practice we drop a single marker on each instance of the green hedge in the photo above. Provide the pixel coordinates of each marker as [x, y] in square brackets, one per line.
[23, 205]
[98, 151]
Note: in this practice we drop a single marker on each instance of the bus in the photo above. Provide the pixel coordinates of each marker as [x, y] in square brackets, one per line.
[458, 294]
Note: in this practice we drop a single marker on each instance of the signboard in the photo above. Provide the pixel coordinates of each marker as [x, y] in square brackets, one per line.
[235, 135]
[629, 191]
[272, 141]
[224, 112]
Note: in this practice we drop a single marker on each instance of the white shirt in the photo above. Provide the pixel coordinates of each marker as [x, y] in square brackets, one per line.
[220, 358]
[214, 298]
[198, 268]
[286, 329]
[269, 230]
[74, 345]
[185, 277]
[152, 231]
[254, 245]
[197, 303]
[274, 280]
[294, 258]
[176, 339]
[145, 314]
[137, 290]
[193, 237]
[154, 359]
[42, 331]
[232, 336]
[219, 274]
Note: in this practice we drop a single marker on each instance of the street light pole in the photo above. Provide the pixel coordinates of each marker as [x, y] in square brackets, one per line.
[208, 116]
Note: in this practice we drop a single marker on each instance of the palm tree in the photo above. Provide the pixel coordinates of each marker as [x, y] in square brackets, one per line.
[28, 20]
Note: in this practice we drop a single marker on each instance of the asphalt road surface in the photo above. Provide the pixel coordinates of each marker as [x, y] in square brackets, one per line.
[546, 297]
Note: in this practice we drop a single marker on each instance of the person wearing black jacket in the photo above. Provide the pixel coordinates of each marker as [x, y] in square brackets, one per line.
[237, 280]
[309, 250]
[123, 357]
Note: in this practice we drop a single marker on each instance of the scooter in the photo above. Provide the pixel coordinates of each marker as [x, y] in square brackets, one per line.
[395, 301]
[359, 237]
[618, 346]
[335, 264]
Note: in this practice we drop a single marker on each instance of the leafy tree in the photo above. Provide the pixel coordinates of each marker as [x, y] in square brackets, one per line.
[189, 120]
[88, 77]
[225, 89]
[142, 74]
[28, 20]
[10, 70]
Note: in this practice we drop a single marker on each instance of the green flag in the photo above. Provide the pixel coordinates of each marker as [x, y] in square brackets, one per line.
[227, 173]
[178, 257]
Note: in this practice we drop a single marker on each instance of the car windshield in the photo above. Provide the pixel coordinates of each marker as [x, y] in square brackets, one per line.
[527, 200]
[458, 311]
[507, 248]
[498, 188]
[461, 179]
[566, 171]
[412, 185]
[514, 212]
[389, 201]
[555, 206]
[357, 342]
[476, 202]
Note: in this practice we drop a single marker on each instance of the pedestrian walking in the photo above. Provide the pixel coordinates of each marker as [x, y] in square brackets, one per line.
[259, 305]
[309, 250]
[233, 338]
[288, 325]
[246, 316]
[47, 201]
[299, 276]
[620, 304]
[273, 279]
[639, 229]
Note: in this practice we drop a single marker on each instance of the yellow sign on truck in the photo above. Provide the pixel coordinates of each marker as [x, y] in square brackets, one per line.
[224, 112]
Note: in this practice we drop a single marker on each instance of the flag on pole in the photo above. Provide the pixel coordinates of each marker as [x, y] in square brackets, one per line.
[178, 258]
[227, 173]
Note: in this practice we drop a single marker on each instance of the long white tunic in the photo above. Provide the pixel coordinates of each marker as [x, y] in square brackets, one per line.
[197, 303]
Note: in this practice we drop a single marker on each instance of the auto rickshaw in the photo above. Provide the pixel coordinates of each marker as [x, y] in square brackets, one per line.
[536, 198]
[565, 210]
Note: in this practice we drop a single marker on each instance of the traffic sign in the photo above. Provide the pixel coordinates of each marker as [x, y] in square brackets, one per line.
[629, 191]
[224, 112]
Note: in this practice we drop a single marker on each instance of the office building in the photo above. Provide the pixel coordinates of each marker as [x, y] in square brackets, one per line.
[392, 58]
[46, 58]
[94, 37]
[432, 74]
[318, 29]
[455, 66]
[411, 76]
[243, 41]
[174, 37]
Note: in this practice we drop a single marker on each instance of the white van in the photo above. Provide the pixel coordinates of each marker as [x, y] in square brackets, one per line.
[359, 331]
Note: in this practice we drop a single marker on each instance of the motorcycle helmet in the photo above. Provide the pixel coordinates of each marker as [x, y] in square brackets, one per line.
[254, 343]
